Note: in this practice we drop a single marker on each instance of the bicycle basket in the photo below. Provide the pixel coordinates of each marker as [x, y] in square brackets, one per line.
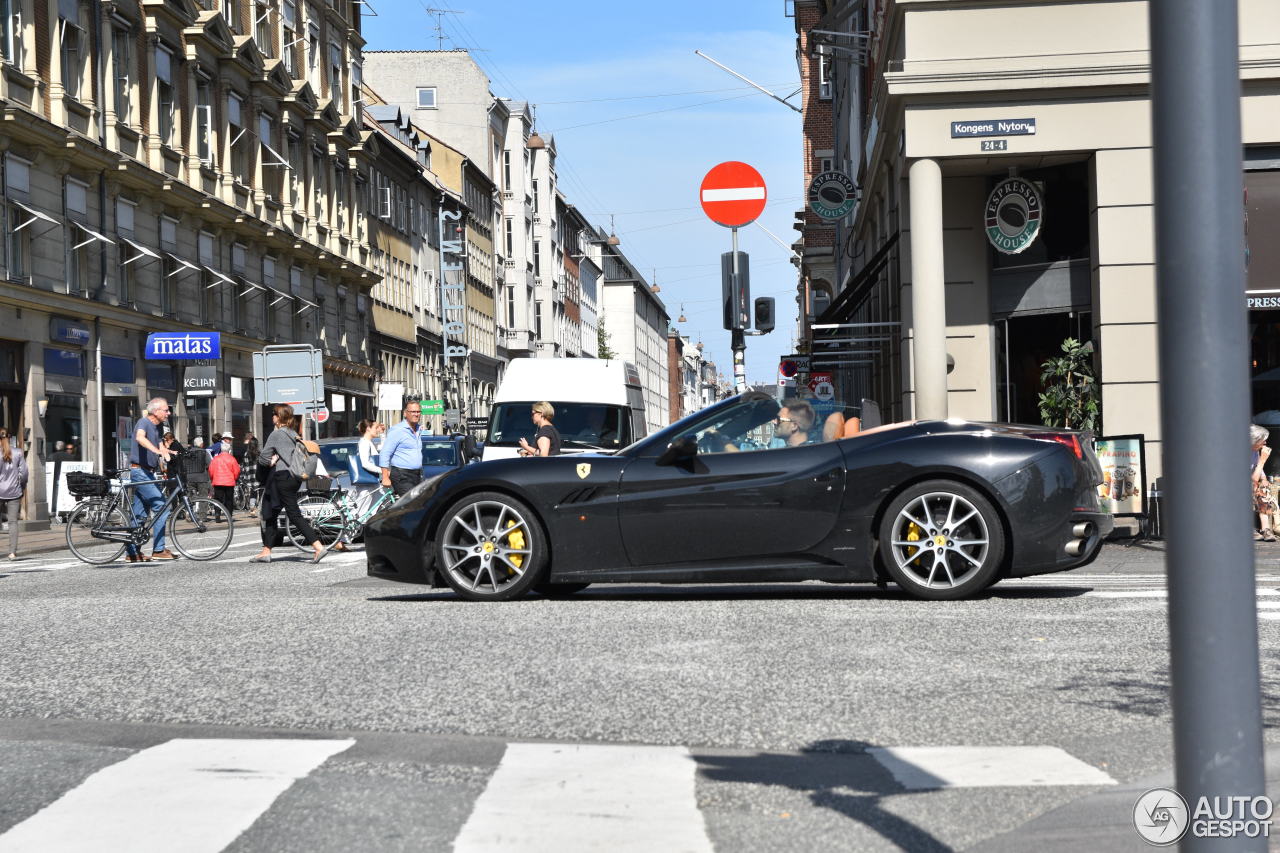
[86, 485]
[319, 485]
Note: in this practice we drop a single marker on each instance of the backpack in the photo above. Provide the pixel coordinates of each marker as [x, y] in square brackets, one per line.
[298, 460]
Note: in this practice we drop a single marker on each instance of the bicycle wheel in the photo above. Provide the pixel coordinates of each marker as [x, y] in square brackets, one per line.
[322, 514]
[91, 515]
[202, 532]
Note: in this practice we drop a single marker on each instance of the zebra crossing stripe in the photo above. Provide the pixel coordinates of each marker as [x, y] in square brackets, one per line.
[920, 768]
[196, 796]
[564, 798]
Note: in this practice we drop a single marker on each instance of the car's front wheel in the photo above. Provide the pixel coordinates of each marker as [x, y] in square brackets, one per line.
[942, 540]
[490, 547]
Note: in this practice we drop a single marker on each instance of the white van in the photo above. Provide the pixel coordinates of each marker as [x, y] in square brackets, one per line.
[599, 404]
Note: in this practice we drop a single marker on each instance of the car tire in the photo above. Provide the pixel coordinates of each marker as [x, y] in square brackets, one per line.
[490, 547]
[559, 590]
[961, 536]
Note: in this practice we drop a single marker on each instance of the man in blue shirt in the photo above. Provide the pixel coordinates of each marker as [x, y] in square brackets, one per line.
[401, 454]
[144, 459]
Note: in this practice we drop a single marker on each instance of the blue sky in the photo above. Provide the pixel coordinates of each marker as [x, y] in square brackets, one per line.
[592, 69]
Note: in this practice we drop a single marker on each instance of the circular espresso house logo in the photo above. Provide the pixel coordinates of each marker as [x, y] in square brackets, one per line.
[1161, 816]
[1013, 215]
[832, 195]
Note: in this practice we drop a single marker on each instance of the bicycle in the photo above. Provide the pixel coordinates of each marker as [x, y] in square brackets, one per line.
[336, 518]
[248, 494]
[102, 525]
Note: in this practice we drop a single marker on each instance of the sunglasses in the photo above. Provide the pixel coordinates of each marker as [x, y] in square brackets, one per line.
[784, 420]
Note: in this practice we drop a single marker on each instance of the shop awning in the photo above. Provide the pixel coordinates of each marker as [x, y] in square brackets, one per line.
[93, 235]
[35, 215]
[252, 287]
[143, 252]
[183, 264]
[220, 278]
[280, 295]
[859, 287]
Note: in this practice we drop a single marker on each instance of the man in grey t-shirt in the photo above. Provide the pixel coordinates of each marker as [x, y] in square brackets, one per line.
[144, 459]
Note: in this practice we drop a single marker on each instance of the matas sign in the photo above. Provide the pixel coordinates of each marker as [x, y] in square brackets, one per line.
[161, 345]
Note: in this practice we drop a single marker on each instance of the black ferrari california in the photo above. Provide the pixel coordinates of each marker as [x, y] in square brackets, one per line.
[737, 493]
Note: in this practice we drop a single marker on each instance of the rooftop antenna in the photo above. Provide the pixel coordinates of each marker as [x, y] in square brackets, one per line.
[439, 27]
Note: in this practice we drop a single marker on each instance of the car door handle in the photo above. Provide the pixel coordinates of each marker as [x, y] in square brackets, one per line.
[827, 477]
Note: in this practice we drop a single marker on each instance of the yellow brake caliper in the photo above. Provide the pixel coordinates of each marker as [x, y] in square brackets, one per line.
[913, 535]
[515, 539]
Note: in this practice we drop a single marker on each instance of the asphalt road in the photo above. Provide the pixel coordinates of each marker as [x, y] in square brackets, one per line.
[786, 702]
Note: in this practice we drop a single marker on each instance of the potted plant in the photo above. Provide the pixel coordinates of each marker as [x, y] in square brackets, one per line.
[1070, 396]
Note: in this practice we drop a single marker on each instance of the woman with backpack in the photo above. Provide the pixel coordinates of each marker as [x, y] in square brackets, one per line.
[286, 456]
[13, 481]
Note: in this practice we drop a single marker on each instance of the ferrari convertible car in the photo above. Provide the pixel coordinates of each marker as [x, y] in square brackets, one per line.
[733, 494]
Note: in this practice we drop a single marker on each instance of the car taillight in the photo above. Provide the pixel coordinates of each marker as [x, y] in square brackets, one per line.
[1072, 442]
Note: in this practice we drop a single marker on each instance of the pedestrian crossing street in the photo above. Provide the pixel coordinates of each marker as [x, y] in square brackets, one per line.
[200, 795]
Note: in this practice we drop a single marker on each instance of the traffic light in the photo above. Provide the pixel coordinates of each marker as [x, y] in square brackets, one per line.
[764, 314]
[736, 291]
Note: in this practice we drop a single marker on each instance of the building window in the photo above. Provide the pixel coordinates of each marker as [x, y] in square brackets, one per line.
[231, 12]
[72, 47]
[534, 184]
[537, 258]
[511, 306]
[509, 235]
[122, 72]
[125, 280]
[239, 137]
[318, 182]
[313, 50]
[274, 165]
[262, 26]
[210, 284]
[296, 164]
[342, 320]
[11, 36]
[64, 362]
[270, 296]
[204, 120]
[165, 94]
[357, 90]
[289, 38]
[537, 320]
[125, 214]
[18, 245]
[336, 89]
[426, 98]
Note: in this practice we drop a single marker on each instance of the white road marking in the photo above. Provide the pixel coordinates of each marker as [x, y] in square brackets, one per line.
[562, 798]
[1152, 593]
[733, 194]
[928, 767]
[191, 795]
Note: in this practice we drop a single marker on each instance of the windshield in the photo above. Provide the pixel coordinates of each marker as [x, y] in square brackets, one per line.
[335, 457]
[590, 426]
[443, 453]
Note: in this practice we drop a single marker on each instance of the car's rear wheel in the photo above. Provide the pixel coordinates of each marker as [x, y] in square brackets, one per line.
[490, 547]
[942, 540]
[559, 590]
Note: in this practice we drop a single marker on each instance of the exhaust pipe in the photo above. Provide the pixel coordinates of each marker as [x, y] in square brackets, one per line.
[1083, 530]
[1074, 547]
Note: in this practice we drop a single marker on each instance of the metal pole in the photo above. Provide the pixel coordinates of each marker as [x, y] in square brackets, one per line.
[738, 340]
[1204, 403]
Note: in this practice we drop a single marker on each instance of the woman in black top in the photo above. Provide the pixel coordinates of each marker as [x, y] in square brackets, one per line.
[546, 442]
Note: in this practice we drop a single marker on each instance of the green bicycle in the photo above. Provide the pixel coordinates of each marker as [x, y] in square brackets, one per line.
[336, 517]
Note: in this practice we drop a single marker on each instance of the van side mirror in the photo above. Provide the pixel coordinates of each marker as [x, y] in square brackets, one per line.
[684, 447]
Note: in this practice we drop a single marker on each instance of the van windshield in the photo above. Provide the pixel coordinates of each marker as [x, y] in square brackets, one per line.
[582, 426]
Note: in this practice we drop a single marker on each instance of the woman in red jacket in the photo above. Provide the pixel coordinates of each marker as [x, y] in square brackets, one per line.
[224, 470]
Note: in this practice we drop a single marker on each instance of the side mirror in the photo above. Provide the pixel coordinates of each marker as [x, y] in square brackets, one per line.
[684, 447]
[470, 451]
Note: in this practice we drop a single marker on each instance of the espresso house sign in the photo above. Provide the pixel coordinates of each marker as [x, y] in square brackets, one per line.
[1013, 214]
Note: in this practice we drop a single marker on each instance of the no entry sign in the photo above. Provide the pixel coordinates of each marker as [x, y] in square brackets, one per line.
[733, 194]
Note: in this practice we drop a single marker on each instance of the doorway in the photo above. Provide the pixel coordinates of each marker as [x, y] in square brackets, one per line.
[1023, 344]
[119, 414]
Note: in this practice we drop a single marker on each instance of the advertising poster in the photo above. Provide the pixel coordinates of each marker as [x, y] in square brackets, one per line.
[1124, 473]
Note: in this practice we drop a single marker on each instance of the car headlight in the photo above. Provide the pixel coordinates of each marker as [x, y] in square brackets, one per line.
[417, 490]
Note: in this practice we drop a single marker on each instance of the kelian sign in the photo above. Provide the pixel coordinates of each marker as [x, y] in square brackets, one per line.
[733, 194]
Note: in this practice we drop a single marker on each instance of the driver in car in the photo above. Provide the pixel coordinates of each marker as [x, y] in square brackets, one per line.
[793, 425]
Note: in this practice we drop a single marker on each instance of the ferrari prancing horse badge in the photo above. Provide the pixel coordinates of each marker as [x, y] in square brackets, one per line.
[584, 468]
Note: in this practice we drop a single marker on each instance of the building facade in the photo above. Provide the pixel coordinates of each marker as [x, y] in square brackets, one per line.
[637, 322]
[175, 167]
[948, 130]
